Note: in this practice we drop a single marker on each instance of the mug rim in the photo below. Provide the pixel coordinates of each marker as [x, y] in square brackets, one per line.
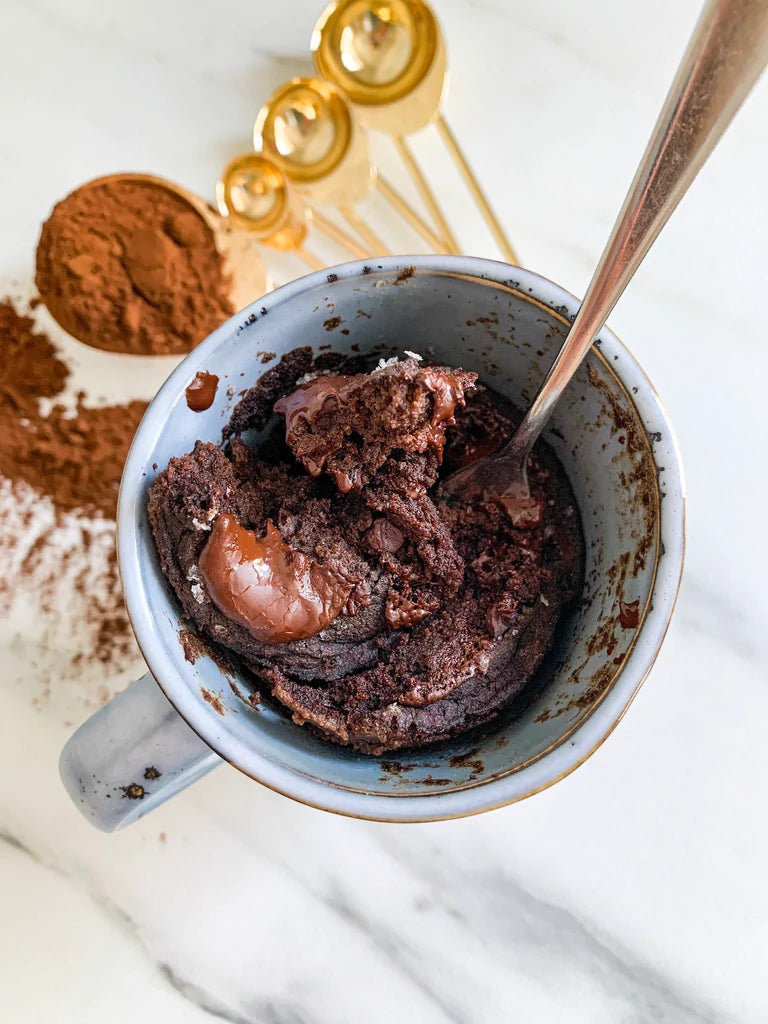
[566, 754]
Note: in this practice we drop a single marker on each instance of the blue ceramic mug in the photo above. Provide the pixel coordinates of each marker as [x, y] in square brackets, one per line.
[618, 449]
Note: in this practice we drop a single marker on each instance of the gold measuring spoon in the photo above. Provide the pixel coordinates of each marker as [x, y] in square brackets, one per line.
[254, 196]
[388, 56]
[308, 128]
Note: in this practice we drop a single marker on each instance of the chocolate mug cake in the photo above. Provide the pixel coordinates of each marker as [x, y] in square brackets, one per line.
[315, 548]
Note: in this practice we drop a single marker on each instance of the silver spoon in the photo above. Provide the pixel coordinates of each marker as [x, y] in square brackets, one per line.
[724, 59]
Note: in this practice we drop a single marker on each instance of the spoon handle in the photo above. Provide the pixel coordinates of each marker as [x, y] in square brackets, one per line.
[724, 59]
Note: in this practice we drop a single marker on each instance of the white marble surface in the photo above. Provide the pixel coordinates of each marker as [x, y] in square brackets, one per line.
[635, 890]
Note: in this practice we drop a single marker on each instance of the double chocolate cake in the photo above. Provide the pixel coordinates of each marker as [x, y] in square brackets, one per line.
[316, 548]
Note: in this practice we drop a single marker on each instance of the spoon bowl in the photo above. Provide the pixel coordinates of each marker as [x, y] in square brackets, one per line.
[375, 45]
[253, 194]
[308, 127]
[388, 57]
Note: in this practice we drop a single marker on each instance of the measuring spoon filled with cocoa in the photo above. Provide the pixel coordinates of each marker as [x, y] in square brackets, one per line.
[134, 263]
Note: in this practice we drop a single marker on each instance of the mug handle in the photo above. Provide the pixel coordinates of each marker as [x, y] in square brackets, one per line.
[131, 755]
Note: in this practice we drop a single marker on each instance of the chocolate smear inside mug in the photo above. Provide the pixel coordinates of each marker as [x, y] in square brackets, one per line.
[128, 265]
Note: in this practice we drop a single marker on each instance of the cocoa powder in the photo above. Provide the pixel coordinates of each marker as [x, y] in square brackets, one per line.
[60, 595]
[76, 460]
[58, 567]
[129, 266]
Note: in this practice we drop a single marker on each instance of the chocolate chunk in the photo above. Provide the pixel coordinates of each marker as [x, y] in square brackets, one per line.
[277, 593]
[201, 391]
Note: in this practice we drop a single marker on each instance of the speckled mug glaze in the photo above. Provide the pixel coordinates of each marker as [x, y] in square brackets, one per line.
[618, 450]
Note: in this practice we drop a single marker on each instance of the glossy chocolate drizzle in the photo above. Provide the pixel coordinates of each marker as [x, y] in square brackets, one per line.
[310, 398]
[306, 402]
[448, 392]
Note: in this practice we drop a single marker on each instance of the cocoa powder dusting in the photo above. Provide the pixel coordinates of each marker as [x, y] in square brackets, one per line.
[58, 567]
[59, 582]
[214, 699]
[76, 460]
[130, 266]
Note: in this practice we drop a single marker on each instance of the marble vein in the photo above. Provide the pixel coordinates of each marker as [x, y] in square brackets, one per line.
[268, 1011]
[392, 945]
[202, 999]
[492, 902]
[8, 839]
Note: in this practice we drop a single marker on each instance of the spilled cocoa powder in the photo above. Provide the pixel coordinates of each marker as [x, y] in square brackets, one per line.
[58, 567]
[127, 265]
[76, 460]
[61, 603]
